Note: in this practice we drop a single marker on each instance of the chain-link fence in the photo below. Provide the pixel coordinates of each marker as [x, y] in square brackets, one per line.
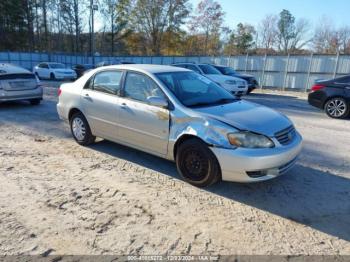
[296, 72]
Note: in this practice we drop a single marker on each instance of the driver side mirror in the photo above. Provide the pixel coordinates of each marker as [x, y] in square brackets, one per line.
[158, 101]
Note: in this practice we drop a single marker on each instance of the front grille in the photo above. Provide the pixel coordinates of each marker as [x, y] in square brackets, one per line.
[241, 86]
[286, 136]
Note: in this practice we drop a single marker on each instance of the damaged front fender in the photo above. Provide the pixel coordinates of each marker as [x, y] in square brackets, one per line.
[211, 131]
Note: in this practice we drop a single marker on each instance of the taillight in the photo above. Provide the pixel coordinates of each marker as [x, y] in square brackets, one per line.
[59, 91]
[317, 87]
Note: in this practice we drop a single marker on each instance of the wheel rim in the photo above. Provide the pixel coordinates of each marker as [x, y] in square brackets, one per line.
[194, 165]
[336, 108]
[78, 128]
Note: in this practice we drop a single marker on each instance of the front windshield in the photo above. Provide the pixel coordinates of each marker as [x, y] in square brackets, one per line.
[57, 66]
[192, 89]
[228, 71]
[209, 70]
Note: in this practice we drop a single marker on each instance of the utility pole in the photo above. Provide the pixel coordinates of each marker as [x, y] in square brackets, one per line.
[93, 8]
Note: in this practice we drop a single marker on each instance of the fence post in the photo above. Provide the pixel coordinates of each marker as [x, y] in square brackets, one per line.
[309, 72]
[336, 66]
[246, 63]
[286, 73]
[263, 72]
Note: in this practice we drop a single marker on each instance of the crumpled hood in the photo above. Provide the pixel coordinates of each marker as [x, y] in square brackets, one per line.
[248, 116]
[223, 78]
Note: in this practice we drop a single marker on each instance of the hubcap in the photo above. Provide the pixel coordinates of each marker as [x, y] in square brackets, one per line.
[336, 108]
[78, 128]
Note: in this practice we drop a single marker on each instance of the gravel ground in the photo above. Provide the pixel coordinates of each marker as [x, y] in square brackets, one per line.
[57, 197]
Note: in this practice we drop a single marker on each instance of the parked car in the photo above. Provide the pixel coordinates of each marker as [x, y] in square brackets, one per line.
[17, 83]
[80, 69]
[54, 71]
[229, 71]
[179, 115]
[332, 96]
[113, 62]
[232, 84]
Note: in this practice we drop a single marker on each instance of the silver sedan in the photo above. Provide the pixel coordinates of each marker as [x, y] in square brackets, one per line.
[182, 116]
[17, 83]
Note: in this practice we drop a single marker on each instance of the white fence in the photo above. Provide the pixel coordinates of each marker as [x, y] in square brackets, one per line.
[296, 72]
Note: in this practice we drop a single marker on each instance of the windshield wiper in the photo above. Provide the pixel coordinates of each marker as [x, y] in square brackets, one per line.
[214, 103]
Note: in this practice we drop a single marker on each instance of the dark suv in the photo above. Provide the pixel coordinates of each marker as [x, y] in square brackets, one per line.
[251, 80]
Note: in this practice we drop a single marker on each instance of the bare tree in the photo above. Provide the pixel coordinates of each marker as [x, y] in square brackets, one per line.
[208, 20]
[267, 32]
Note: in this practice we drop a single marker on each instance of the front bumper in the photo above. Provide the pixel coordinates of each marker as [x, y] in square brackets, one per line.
[272, 162]
[59, 76]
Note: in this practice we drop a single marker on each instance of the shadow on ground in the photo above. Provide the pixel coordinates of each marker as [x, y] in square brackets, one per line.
[307, 196]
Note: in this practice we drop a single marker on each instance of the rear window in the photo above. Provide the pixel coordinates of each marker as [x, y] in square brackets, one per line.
[17, 76]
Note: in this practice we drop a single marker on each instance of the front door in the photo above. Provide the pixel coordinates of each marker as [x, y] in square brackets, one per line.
[143, 125]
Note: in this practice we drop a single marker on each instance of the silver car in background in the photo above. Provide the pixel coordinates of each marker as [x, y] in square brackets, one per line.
[17, 83]
[182, 116]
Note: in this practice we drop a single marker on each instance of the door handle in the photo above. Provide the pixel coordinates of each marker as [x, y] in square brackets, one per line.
[123, 106]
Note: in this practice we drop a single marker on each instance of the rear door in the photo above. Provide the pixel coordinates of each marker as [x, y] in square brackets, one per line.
[100, 99]
[142, 125]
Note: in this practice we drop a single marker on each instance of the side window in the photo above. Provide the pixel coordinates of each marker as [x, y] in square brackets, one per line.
[194, 68]
[43, 65]
[140, 87]
[107, 82]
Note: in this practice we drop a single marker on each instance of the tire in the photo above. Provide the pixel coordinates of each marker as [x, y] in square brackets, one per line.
[337, 107]
[35, 102]
[197, 164]
[81, 130]
[52, 76]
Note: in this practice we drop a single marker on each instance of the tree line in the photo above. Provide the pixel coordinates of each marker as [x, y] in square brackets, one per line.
[159, 27]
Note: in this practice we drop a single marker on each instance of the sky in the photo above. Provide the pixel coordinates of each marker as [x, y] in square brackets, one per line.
[253, 11]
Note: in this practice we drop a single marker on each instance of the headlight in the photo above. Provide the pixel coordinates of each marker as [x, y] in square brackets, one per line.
[249, 140]
[230, 82]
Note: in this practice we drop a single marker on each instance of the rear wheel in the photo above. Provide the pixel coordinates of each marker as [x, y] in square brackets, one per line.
[337, 107]
[197, 164]
[52, 76]
[81, 130]
[35, 102]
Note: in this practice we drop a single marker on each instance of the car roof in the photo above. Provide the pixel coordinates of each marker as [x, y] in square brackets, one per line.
[13, 69]
[148, 68]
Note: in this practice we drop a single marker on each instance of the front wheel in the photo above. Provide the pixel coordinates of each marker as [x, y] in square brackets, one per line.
[52, 76]
[197, 164]
[81, 130]
[337, 108]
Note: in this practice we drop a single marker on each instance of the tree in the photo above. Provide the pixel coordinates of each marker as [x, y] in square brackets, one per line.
[286, 30]
[241, 40]
[155, 17]
[208, 20]
[116, 13]
[291, 33]
[267, 33]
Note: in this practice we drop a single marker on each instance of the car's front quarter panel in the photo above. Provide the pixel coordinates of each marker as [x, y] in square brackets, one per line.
[212, 132]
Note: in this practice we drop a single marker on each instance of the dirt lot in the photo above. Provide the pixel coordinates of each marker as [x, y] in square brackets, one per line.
[60, 198]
